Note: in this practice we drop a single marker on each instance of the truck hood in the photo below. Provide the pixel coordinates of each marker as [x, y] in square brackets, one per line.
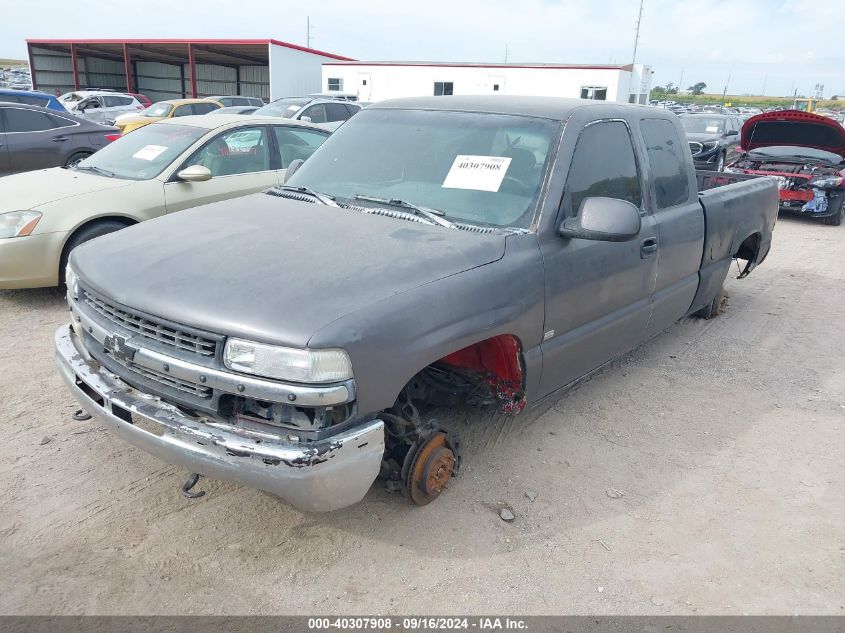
[793, 128]
[270, 269]
[33, 189]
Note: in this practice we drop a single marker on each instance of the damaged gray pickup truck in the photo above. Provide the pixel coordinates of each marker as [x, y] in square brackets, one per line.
[447, 251]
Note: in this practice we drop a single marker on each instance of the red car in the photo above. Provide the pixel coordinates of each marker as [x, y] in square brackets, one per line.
[144, 99]
[806, 153]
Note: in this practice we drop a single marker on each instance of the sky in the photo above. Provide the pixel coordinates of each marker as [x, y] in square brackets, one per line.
[748, 45]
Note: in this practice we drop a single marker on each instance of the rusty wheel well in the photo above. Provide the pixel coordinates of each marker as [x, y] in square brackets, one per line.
[484, 373]
[750, 248]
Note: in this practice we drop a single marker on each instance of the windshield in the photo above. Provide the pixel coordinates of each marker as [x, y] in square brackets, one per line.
[158, 109]
[703, 124]
[144, 153]
[282, 107]
[477, 168]
[782, 151]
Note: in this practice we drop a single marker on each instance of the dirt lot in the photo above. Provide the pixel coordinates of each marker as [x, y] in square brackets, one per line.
[701, 474]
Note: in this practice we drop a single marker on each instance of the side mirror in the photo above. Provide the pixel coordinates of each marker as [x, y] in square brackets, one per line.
[732, 133]
[291, 170]
[195, 173]
[305, 119]
[603, 220]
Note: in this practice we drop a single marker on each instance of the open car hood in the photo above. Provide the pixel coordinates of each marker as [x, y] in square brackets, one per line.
[793, 128]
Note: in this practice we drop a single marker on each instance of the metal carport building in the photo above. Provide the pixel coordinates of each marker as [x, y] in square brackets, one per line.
[177, 68]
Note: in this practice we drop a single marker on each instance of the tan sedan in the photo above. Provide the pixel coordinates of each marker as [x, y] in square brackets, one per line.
[160, 168]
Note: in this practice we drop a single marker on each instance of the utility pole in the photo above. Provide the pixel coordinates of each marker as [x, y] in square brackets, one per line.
[506, 53]
[681, 82]
[637, 33]
[308, 29]
[725, 91]
[765, 79]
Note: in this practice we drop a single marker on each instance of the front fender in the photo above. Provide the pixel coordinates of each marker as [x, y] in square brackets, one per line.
[390, 341]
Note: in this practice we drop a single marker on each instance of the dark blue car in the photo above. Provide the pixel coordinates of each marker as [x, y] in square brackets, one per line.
[31, 97]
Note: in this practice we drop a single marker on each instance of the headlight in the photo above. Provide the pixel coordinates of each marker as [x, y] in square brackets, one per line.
[285, 363]
[709, 147]
[18, 223]
[72, 282]
[826, 183]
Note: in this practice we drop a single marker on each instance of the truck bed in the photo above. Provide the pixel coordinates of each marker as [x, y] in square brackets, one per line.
[739, 215]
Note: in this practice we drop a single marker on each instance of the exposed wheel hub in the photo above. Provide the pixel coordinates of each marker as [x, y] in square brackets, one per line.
[429, 465]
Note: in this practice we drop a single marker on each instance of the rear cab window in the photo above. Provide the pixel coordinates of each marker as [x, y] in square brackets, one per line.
[667, 158]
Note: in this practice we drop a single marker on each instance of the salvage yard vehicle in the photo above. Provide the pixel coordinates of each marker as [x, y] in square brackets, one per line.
[32, 137]
[330, 112]
[161, 168]
[100, 106]
[806, 153]
[166, 110]
[32, 97]
[713, 139]
[437, 251]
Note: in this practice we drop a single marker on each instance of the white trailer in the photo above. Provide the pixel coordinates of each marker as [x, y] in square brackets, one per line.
[376, 81]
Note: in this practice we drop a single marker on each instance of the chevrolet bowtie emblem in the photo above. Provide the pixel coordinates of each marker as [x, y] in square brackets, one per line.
[120, 348]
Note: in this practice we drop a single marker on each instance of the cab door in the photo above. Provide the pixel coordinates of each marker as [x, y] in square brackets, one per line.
[240, 160]
[598, 293]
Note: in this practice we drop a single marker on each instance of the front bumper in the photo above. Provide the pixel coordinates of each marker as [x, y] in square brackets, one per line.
[31, 261]
[314, 477]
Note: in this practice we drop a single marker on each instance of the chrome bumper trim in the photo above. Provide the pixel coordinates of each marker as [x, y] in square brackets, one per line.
[314, 477]
[227, 382]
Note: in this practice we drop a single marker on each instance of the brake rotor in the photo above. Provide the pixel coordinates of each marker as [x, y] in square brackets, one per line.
[432, 464]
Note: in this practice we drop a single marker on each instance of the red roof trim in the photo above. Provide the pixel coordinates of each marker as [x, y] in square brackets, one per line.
[471, 65]
[220, 42]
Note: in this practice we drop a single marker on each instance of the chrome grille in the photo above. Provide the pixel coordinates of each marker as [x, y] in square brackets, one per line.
[151, 329]
[169, 381]
[695, 147]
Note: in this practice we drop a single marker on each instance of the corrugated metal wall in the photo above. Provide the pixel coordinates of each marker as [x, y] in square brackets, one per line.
[255, 81]
[159, 81]
[51, 70]
[95, 72]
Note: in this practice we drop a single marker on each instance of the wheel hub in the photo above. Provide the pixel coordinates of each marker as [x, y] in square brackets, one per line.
[432, 464]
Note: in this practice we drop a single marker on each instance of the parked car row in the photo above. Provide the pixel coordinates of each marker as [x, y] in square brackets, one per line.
[33, 137]
[160, 168]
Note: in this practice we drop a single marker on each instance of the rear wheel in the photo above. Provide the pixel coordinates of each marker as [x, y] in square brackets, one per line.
[86, 233]
[74, 160]
[715, 307]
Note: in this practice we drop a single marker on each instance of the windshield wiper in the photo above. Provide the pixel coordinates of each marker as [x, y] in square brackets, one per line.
[327, 200]
[94, 168]
[432, 214]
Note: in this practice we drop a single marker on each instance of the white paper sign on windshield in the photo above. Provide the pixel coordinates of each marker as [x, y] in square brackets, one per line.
[481, 173]
[712, 129]
[149, 152]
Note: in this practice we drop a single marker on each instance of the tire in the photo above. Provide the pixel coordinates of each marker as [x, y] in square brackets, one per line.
[720, 164]
[715, 307]
[86, 233]
[836, 219]
[75, 158]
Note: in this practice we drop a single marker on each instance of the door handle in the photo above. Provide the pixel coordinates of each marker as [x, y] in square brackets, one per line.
[648, 247]
[59, 139]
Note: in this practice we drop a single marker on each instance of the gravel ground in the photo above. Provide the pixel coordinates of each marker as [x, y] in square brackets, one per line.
[703, 473]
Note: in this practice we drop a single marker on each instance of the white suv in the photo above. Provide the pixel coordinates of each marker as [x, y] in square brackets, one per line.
[100, 106]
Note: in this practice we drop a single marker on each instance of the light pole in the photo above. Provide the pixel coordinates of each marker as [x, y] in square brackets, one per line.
[637, 33]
